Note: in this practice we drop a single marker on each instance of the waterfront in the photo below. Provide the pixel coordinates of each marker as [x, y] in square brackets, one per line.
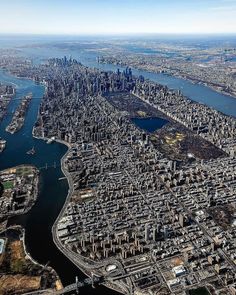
[200, 93]
[40, 49]
[197, 92]
[38, 222]
[53, 192]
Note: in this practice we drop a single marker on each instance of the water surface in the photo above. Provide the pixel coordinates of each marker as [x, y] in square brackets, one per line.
[149, 124]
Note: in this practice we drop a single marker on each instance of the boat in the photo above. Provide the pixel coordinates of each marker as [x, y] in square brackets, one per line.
[2, 144]
[51, 140]
[31, 152]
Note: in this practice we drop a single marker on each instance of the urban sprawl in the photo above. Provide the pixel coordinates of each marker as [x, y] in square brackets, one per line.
[140, 220]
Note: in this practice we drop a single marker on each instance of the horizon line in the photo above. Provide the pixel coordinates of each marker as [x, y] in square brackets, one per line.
[118, 34]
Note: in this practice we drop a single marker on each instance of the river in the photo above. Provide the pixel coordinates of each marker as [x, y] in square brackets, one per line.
[200, 93]
[39, 220]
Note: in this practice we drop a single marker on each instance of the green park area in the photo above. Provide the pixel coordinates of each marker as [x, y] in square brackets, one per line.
[8, 185]
[23, 171]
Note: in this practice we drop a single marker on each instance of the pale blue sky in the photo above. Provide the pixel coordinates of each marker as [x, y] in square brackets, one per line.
[117, 16]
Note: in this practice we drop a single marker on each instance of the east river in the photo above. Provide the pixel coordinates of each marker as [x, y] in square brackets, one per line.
[38, 222]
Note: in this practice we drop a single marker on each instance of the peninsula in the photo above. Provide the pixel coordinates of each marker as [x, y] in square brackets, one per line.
[136, 217]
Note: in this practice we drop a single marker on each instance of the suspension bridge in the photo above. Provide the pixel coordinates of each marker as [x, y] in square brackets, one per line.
[91, 281]
[47, 166]
[54, 166]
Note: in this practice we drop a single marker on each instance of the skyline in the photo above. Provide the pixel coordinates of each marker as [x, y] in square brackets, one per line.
[118, 147]
[111, 17]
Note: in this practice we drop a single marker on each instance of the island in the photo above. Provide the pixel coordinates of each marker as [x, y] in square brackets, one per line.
[7, 92]
[18, 190]
[20, 273]
[19, 115]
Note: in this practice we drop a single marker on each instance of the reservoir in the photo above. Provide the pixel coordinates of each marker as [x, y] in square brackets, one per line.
[149, 124]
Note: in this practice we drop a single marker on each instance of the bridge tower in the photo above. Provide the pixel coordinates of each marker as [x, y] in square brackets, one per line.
[77, 286]
[46, 166]
[54, 165]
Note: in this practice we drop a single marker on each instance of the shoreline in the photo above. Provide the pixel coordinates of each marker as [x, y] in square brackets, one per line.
[67, 200]
[194, 81]
[54, 230]
[34, 197]
[28, 256]
[32, 260]
[68, 197]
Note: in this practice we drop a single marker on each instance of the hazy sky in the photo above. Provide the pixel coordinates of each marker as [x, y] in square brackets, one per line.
[117, 16]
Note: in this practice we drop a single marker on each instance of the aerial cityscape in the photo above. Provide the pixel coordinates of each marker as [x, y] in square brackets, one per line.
[118, 147]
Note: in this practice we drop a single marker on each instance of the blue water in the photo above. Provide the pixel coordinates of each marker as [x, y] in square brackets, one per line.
[149, 124]
[20, 142]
